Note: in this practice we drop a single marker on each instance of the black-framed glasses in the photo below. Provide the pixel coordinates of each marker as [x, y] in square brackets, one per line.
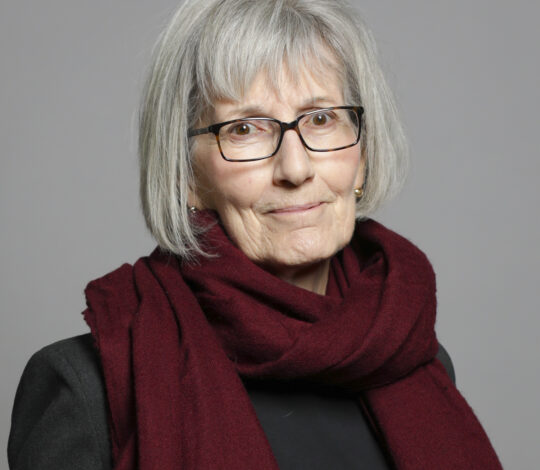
[257, 138]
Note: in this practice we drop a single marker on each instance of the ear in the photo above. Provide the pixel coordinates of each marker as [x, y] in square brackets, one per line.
[197, 192]
[194, 200]
[361, 173]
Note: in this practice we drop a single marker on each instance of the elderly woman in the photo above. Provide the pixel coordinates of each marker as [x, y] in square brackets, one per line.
[275, 326]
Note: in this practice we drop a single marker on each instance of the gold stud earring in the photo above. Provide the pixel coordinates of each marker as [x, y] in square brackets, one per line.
[358, 192]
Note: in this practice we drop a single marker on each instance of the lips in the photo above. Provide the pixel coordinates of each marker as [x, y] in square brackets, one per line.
[296, 208]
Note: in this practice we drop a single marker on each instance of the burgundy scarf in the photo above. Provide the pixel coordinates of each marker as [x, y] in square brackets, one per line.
[175, 339]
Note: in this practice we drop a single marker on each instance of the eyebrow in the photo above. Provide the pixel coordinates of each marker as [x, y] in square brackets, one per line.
[259, 111]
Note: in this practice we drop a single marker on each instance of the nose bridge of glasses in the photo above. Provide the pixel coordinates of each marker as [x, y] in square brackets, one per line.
[287, 126]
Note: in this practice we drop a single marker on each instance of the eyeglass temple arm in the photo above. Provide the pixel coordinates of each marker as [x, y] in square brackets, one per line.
[194, 132]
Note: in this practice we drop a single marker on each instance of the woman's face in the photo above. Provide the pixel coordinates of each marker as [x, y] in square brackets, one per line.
[292, 211]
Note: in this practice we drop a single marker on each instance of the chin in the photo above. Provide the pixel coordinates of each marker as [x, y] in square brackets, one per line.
[304, 253]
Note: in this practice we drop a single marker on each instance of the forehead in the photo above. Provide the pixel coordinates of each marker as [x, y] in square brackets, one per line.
[284, 94]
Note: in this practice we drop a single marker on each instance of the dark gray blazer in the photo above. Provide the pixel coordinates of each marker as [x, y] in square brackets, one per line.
[59, 419]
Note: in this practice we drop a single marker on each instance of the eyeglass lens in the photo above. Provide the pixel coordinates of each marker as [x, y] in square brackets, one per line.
[322, 130]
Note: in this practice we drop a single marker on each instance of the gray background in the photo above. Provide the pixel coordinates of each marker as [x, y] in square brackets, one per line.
[466, 77]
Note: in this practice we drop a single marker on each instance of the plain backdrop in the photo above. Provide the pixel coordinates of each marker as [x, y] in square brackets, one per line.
[466, 76]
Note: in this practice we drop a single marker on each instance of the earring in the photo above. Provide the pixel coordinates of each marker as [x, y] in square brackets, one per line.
[358, 192]
[192, 209]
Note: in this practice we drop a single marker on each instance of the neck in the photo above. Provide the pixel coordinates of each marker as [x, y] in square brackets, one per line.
[313, 277]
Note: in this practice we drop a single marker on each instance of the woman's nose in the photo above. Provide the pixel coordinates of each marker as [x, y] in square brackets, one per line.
[293, 165]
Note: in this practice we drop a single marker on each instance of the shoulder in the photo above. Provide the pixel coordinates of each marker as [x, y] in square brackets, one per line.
[76, 355]
[75, 362]
[60, 409]
[444, 357]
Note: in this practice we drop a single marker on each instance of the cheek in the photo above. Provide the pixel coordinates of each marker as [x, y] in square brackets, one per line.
[226, 186]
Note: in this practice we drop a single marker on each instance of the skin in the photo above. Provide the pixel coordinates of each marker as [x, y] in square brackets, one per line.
[292, 212]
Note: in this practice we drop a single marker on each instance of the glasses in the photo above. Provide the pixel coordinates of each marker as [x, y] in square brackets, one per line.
[257, 138]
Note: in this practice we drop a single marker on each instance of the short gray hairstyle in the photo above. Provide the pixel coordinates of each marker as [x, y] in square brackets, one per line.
[213, 49]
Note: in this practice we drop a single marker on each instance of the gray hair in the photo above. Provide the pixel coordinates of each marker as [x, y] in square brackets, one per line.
[213, 49]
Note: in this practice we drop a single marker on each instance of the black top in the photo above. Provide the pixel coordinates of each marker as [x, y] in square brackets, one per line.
[59, 419]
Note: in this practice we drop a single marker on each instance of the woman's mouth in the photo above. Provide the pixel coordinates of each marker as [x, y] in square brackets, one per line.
[297, 208]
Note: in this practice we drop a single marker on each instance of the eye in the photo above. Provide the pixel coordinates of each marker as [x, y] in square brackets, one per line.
[241, 129]
[319, 119]
[247, 130]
